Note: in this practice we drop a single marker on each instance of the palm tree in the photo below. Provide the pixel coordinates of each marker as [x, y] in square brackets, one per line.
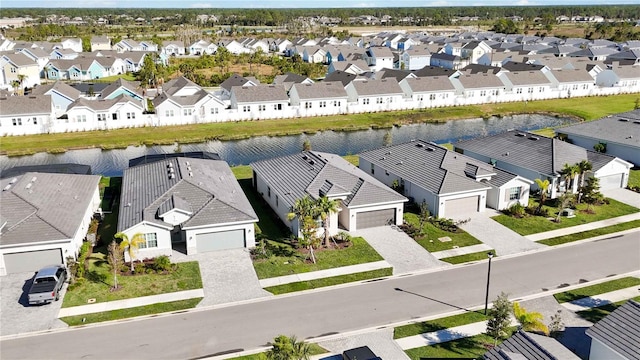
[305, 211]
[288, 348]
[569, 172]
[130, 245]
[21, 78]
[585, 166]
[325, 207]
[543, 185]
[529, 321]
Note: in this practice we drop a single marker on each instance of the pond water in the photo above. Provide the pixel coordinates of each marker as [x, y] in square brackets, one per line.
[243, 152]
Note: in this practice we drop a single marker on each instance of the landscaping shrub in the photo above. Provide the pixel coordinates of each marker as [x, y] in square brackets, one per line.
[410, 229]
[85, 251]
[139, 268]
[162, 263]
[516, 210]
[445, 224]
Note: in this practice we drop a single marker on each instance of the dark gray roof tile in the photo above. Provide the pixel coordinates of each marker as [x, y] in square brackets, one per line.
[620, 330]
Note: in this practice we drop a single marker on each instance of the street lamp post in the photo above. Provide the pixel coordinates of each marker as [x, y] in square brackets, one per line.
[486, 298]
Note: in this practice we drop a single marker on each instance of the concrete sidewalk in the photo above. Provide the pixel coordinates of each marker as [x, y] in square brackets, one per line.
[130, 303]
[583, 227]
[462, 251]
[313, 275]
[602, 299]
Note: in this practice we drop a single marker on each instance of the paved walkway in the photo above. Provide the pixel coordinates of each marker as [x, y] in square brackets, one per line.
[625, 196]
[313, 275]
[602, 299]
[461, 251]
[130, 303]
[583, 227]
[399, 250]
[380, 342]
[504, 240]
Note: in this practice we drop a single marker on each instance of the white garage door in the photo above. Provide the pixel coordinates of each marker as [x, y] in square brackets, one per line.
[31, 260]
[367, 219]
[459, 207]
[611, 182]
[222, 240]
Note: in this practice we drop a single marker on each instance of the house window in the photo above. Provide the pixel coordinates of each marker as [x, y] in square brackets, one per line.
[541, 89]
[102, 117]
[214, 110]
[187, 112]
[114, 116]
[308, 105]
[150, 241]
[269, 191]
[246, 108]
[262, 107]
[379, 100]
[432, 96]
[519, 91]
[365, 101]
[35, 121]
[277, 106]
[168, 113]
[470, 94]
[17, 122]
[373, 169]
[323, 104]
[131, 115]
[483, 92]
[81, 118]
[13, 70]
[336, 103]
[530, 90]
[514, 193]
[420, 97]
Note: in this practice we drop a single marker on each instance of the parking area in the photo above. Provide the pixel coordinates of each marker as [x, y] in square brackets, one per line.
[16, 316]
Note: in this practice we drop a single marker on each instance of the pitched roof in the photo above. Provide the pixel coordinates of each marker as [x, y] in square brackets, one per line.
[527, 346]
[387, 86]
[174, 85]
[434, 71]
[521, 66]
[103, 104]
[320, 90]
[58, 86]
[68, 168]
[129, 85]
[266, 93]
[344, 77]
[570, 76]
[530, 151]
[620, 128]
[233, 80]
[316, 174]
[289, 77]
[620, 330]
[523, 78]
[479, 81]
[20, 59]
[26, 105]
[44, 206]
[206, 186]
[430, 166]
[430, 84]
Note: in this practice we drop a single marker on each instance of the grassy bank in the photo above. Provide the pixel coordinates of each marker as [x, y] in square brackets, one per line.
[584, 108]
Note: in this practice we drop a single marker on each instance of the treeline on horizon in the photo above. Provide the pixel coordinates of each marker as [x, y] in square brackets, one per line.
[278, 17]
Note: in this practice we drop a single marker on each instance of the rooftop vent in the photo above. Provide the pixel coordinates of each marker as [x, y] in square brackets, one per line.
[636, 122]
[171, 176]
[430, 149]
[7, 187]
[312, 162]
[190, 174]
[169, 165]
[388, 153]
[534, 138]
[521, 134]
[13, 181]
[419, 145]
[623, 120]
[33, 179]
[305, 157]
[171, 171]
[400, 163]
[188, 163]
[28, 186]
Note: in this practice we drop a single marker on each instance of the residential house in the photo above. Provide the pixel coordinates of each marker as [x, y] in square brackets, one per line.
[279, 45]
[18, 69]
[83, 114]
[375, 95]
[525, 345]
[415, 58]
[74, 44]
[450, 184]
[427, 92]
[184, 102]
[122, 86]
[190, 198]
[356, 67]
[45, 218]
[61, 94]
[134, 60]
[39, 56]
[201, 47]
[474, 50]
[173, 48]
[478, 88]
[260, 101]
[570, 83]
[289, 79]
[617, 335]
[364, 202]
[234, 47]
[448, 61]
[63, 54]
[527, 85]
[25, 115]
[100, 43]
[234, 80]
[537, 157]
[626, 78]
[379, 58]
[495, 58]
[620, 134]
[79, 69]
[595, 54]
[313, 55]
[132, 45]
[322, 98]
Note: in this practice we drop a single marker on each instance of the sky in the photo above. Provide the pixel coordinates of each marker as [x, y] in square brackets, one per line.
[292, 3]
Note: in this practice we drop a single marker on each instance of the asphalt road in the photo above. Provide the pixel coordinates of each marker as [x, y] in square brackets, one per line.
[197, 334]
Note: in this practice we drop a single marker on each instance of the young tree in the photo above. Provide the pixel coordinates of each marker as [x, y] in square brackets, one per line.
[499, 318]
[325, 206]
[304, 210]
[585, 166]
[114, 258]
[130, 245]
[529, 321]
[564, 201]
[424, 215]
[556, 326]
[591, 192]
[543, 185]
[306, 145]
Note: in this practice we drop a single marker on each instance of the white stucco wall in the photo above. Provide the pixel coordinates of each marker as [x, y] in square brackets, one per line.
[625, 152]
[599, 351]
[162, 235]
[497, 198]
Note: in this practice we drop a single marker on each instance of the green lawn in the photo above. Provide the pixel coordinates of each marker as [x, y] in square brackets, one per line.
[131, 312]
[537, 224]
[481, 255]
[430, 241]
[242, 172]
[634, 178]
[314, 349]
[359, 252]
[596, 314]
[591, 233]
[438, 324]
[470, 348]
[99, 281]
[113, 78]
[597, 289]
[330, 281]
[585, 108]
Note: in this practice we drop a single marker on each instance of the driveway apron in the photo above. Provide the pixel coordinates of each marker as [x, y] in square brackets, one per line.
[625, 196]
[399, 249]
[380, 342]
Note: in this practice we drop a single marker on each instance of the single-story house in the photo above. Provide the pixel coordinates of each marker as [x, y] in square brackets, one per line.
[537, 157]
[620, 134]
[364, 202]
[450, 184]
[190, 198]
[44, 218]
[616, 336]
[525, 345]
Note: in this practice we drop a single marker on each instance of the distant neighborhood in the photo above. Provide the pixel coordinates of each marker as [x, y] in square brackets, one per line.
[382, 72]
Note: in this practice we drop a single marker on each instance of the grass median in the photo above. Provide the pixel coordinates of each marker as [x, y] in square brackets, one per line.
[589, 108]
[330, 281]
[597, 289]
[598, 313]
[477, 256]
[438, 324]
[591, 233]
[468, 348]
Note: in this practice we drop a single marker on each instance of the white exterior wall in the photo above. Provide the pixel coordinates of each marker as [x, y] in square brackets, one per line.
[416, 62]
[351, 214]
[67, 247]
[190, 234]
[599, 351]
[443, 199]
[42, 126]
[624, 152]
[617, 166]
[163, 236]
[282, 209]
[498, 198]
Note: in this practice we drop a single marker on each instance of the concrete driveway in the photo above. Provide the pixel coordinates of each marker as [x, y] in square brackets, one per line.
[228, 276]
[379, 341]
[16, 316]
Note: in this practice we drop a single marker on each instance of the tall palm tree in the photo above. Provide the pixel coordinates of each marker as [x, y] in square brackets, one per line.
[305, 211]
[543, 185]
[130, 245]
[21, 78]
[325, 207]
[569, 172]
[585, 166]
[529, 321]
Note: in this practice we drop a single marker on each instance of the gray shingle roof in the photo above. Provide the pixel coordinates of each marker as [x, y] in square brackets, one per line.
[44, 206]
[233, 80]
[321, 90]
[430, 84]
[20, 59]
[520, 78]
[529, 151]
[26, 105]
[387, 86]
[68, 168]
[620, 330]
[259, 93]
[480, 81]
[571, 76]
[104, 104]
[427, 165]
[610, 129]
[174, 85]
[527, 346]
[129, 85]
[60, 87]
[207, 187]
[316, 174]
